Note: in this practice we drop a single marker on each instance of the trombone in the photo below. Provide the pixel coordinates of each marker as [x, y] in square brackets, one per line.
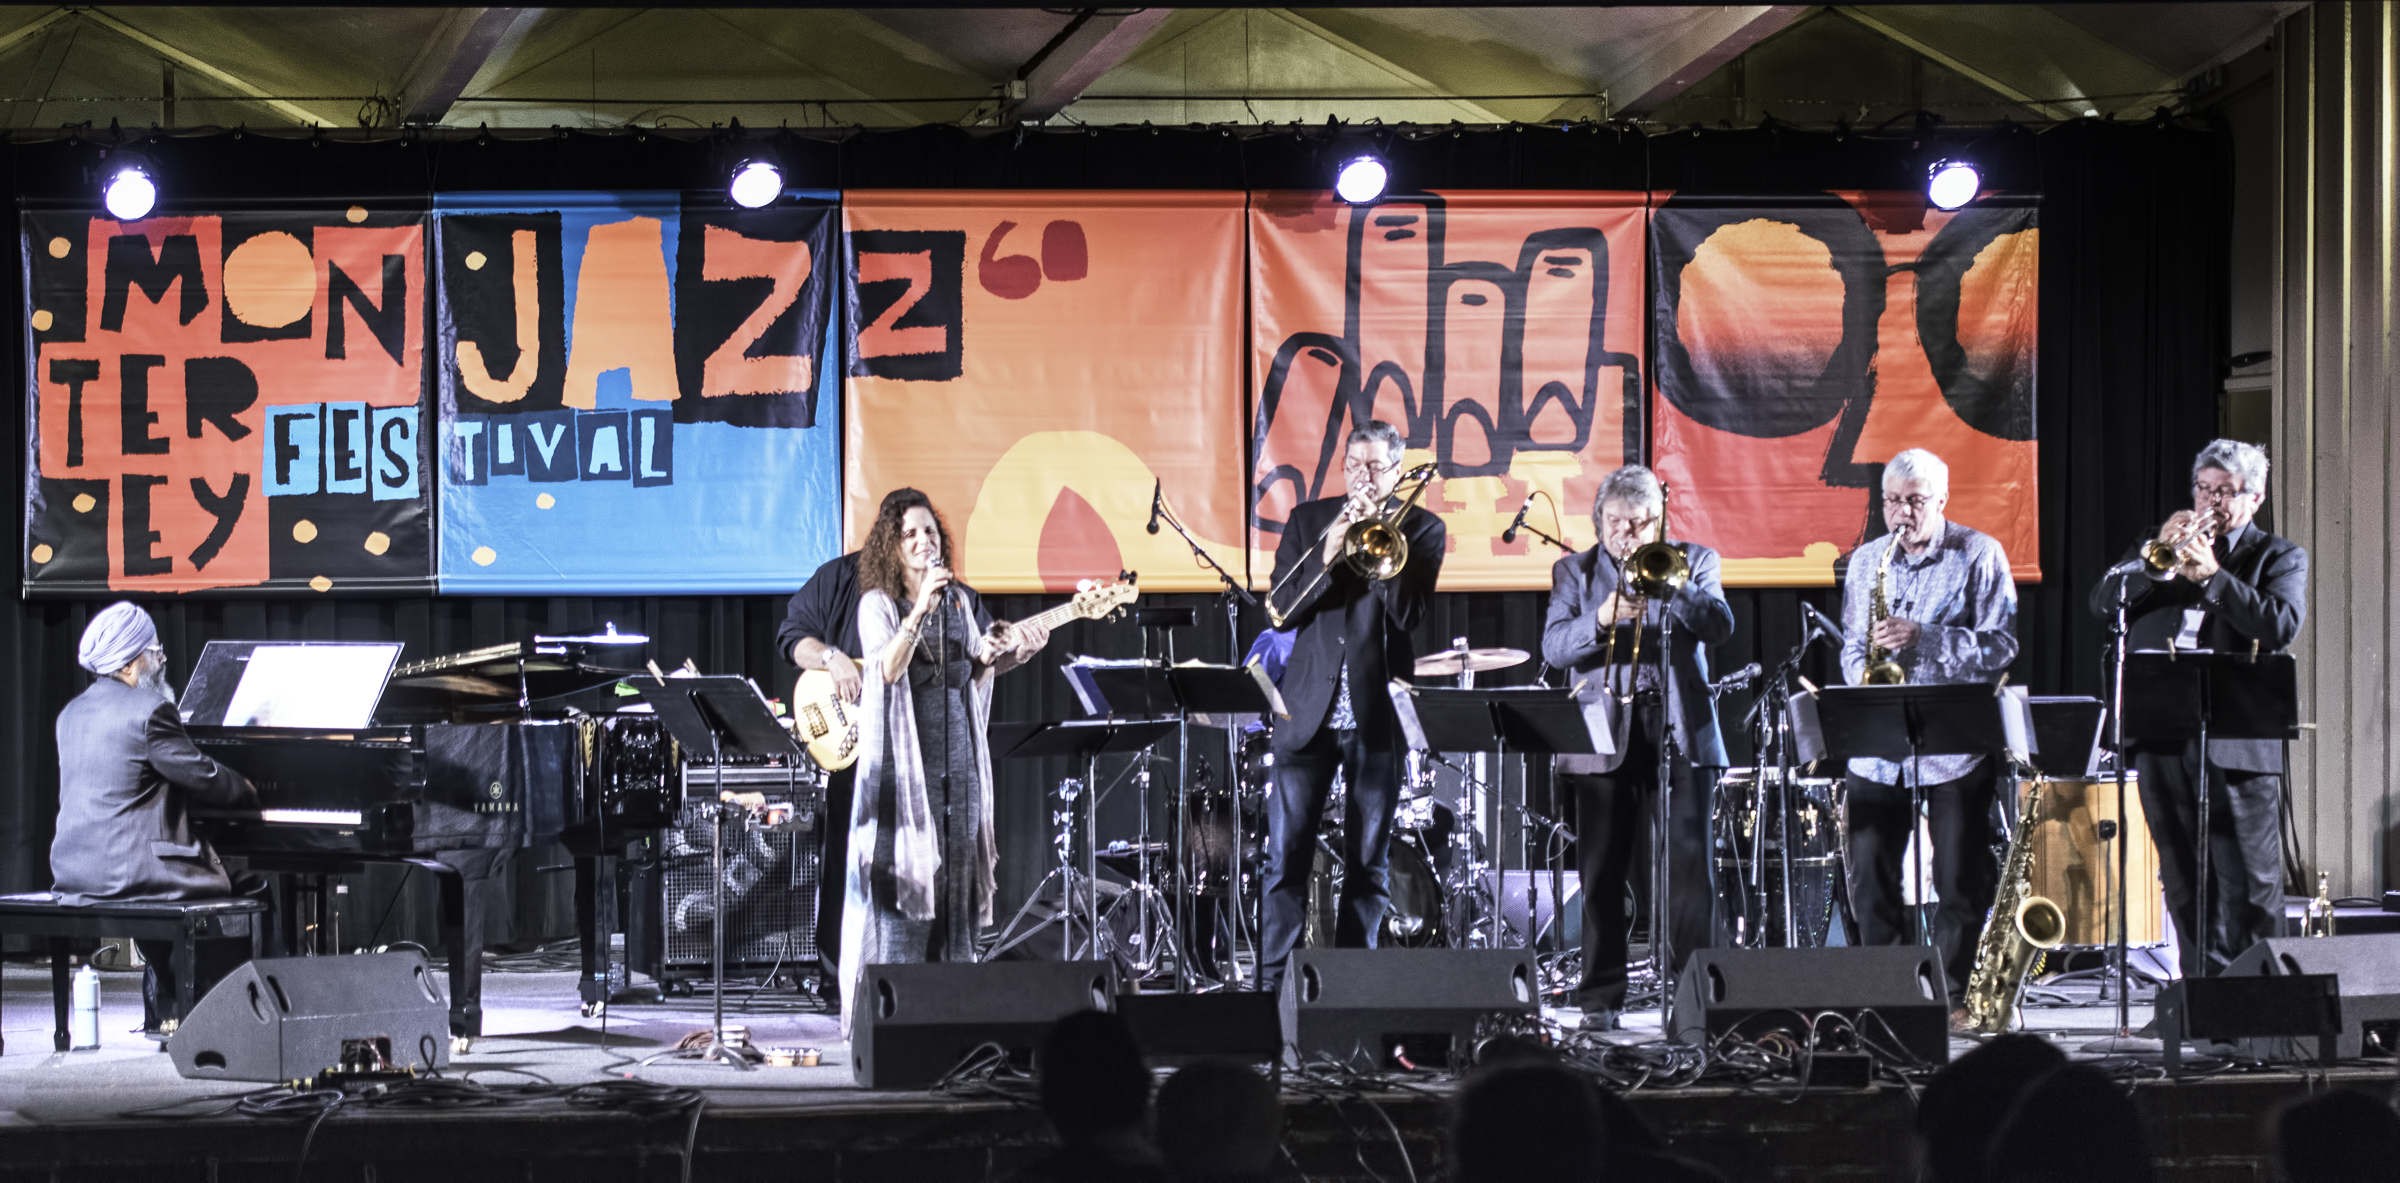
[1656, 570]
[1374, 546]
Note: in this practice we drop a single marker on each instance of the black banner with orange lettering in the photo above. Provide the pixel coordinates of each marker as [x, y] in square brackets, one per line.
[1800, 344]
[226, 401]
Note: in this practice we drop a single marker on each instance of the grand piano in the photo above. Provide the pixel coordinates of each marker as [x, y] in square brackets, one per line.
[443, 764]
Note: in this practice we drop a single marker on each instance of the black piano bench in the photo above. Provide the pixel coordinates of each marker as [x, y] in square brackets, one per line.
[40, 914]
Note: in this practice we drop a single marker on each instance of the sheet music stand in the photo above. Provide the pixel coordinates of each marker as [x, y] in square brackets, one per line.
[1075, 740]
[1533, 720]
[721, 713]
[1904, 724]
[2173, 696]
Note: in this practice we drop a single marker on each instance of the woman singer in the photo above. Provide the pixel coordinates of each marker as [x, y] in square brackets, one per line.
[921, 852]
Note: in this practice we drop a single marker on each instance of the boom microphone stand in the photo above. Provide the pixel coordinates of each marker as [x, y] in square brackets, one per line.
[2125, 1041]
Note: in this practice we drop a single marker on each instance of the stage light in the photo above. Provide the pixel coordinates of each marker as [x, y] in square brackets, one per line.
[129, 189]
[1362, 179]
[755, 183]
[1950, 184]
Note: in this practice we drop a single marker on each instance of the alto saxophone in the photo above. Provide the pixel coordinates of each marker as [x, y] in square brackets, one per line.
[1881, 669]
[2022, 925]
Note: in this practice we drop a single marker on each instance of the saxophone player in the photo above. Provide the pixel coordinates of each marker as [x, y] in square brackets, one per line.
[2227, 586]
[1949, 614]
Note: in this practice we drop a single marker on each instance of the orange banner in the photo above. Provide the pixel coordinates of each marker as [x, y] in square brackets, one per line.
[1038, 362]
[1500, 332]
[1801, 344]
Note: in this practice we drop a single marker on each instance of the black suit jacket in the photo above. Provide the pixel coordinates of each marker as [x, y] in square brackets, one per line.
[2259, 593]
[1572, 640]
[1346, 617]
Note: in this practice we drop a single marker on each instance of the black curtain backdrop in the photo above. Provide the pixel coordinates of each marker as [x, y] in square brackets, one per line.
[2134, 233]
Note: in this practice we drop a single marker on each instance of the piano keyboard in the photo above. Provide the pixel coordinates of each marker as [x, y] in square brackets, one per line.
[310, 817]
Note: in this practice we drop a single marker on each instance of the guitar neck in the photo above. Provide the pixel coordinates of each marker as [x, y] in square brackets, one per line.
[1052, 618]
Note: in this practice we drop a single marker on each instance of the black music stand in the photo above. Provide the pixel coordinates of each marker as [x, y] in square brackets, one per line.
[721, 713]
[1529, 720]
[1903, 724]
[2173, 696]
[1086, 741]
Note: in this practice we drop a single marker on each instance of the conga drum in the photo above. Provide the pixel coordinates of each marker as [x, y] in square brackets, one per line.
[2074, 869]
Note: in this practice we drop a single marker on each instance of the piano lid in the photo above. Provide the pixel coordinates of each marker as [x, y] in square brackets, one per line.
[551, 674]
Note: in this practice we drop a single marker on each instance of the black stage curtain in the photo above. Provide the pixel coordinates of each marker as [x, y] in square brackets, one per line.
[2134, 236]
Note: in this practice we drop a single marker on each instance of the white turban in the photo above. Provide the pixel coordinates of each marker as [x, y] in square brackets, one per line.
[116, 636]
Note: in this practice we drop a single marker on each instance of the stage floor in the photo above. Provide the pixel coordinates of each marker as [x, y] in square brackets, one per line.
[124, 1105]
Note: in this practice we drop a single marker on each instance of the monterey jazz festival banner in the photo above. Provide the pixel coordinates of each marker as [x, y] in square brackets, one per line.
[226, 401]
[1500, 332]
[1800, 344]
[1038, 363]
[633, 393]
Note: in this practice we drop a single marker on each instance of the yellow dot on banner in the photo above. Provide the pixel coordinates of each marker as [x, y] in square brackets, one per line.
[304, 531]
[60, 248]
[378, 542]
[270, 280]
[545, 501]
[321, 583]
[42, 320]
[475, 260]
[84, 503]
[357, 213]
[484, 556]
[42, 552]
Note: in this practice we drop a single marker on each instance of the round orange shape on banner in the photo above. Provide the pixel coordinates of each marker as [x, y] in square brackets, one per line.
[270, 280]
[42, 552]
[356, 214]
[545, 501]
[321, 583]
[484, 556]
[475, 260]
[1761, 264]
[42, 320]
[304, 531]
[84, 502]
[60, 248]
[378, 542]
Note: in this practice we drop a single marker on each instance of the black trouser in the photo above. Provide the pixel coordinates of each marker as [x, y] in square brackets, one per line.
[833, 865]
[2245, 853]
[1615, 810]
[1303, 779]
[1966, 872]
[212, 959]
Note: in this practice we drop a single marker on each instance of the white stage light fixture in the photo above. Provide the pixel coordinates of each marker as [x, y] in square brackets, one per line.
[129, 189]
[1950, 184]
[1362, 179]
[755, 183]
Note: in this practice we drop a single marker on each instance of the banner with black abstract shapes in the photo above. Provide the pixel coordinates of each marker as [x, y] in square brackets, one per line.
[1500, 332]
[227, 401]
[633, 393]
[1800, 344]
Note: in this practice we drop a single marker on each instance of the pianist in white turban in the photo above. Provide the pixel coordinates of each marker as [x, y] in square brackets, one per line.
[116, 636]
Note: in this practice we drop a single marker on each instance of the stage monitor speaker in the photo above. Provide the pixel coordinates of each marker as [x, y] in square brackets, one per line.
[1230, 1024]
[2369, 969]
[288, 1018]
[1401, 1008]
[1880, 999]
[911, 1024]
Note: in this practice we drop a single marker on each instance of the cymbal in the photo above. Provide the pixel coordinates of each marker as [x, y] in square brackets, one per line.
[1452, 661]
[611, 637]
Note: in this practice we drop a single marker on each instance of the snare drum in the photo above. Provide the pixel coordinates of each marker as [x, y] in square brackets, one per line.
[2074, 869]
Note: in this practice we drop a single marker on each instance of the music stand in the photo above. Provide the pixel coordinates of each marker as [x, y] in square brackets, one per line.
[1087, 741]
[1530, 720]
[1904, 724]
[721, 713]
[2194, 696]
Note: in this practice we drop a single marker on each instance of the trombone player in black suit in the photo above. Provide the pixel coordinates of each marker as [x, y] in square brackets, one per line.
[1596, 629]
[1350, 640]
[2227, 586]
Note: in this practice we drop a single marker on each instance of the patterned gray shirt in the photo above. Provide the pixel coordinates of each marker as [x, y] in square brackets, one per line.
[1960, 594]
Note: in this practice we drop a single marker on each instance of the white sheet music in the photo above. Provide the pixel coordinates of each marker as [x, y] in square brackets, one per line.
[310, 686]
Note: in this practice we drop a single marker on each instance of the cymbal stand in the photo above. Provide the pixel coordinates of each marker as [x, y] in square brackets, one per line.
[1076, 885]
[1155, 931]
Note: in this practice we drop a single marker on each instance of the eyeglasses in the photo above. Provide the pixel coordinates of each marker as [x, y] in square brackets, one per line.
[1917, 502]
[1367, 467]
[2205, 492]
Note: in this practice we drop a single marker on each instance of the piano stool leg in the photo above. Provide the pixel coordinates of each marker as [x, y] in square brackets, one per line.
[462, 935]
[59, 992]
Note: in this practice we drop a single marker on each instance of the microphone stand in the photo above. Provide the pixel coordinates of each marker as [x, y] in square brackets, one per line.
[2125, 1041]
[1234, 595]
[1662, 845]
[1536, 531]
[1232, 588]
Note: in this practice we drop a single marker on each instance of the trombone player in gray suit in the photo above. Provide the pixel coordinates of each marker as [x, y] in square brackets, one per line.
[1600, 631]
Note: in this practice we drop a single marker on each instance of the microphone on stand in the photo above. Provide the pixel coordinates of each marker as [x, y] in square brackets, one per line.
[1735, 680]
[1821, 622]
[2128, 567]
[1510, 534]
[1157, 505]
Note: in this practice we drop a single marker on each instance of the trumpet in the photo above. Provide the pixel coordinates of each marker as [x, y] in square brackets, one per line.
[2160, 555]
[1374, 546]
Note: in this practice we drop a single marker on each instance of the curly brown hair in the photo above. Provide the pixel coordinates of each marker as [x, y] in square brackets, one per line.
[879, 563]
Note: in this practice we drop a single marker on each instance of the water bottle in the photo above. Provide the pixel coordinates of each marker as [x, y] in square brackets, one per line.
[83, 1017]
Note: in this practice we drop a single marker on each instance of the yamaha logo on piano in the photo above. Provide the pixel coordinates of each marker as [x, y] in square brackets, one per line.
[497, 792]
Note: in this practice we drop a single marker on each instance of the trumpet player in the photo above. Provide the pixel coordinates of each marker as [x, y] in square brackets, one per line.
[1935, 599]
[2217, 582]
[1350, 638]
[1598, 625]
